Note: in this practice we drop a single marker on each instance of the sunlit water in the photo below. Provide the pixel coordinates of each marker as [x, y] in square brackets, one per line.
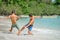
[43, 25]
[46, 23]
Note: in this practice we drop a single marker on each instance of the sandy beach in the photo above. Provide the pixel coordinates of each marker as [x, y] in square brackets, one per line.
[38, 34]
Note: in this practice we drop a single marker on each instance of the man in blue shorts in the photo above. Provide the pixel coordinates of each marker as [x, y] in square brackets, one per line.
[29, 25]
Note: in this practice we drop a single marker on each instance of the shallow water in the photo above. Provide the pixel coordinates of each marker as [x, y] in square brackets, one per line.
[45, 23]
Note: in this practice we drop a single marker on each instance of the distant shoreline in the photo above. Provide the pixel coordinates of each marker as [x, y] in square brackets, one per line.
[54, 16]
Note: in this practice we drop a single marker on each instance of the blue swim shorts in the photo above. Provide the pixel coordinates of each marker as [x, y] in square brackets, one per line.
[29, 27]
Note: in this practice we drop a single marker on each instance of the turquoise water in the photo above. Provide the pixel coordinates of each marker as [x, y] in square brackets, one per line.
[42, 23]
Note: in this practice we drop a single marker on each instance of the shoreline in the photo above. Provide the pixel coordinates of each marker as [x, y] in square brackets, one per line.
[53, 16]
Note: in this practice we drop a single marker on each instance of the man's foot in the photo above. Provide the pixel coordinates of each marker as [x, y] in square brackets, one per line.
[18, 33]
[30, 34]
[10, 30]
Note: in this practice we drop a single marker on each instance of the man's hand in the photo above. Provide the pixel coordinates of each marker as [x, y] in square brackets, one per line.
[37, 16]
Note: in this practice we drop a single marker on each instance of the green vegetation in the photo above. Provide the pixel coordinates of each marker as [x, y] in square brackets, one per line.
[24, 7]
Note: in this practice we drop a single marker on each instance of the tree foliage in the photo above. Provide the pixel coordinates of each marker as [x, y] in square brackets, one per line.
[24, 7]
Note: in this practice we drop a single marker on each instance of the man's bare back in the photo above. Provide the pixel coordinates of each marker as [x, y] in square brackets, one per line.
[13, 18]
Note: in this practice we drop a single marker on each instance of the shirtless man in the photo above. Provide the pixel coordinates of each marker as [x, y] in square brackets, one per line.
[29, 25]
[13, 18]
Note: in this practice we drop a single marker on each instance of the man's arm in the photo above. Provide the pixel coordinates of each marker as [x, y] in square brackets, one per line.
[30, 22]
[37, 16]
[18, 17]
[8, 16]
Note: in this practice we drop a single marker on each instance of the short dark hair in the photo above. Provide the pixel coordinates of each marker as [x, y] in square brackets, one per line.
[13, 11]
[30, 15]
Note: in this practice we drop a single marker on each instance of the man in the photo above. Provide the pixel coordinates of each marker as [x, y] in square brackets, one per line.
[29, 25]
[13, 18]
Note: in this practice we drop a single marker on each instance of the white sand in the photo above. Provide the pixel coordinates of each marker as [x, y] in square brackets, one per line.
[38, 34]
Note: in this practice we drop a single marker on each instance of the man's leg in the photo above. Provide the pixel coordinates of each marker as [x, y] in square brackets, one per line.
[29, 30]
[17, 27]
[21, 30]
[11, 29]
